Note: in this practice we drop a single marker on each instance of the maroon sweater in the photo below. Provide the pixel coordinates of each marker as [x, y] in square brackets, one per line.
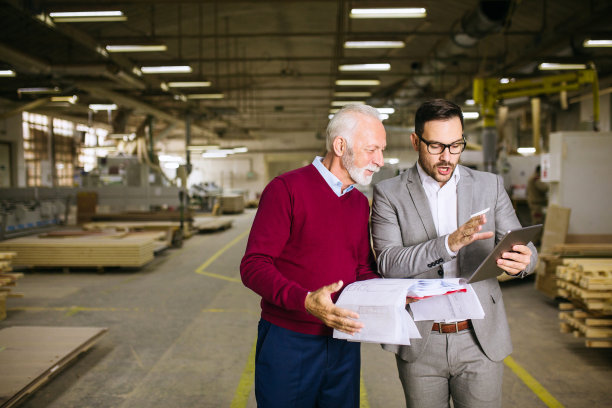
[304, 237]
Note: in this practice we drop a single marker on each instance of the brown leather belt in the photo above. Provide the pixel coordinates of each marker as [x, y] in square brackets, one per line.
[451, 327]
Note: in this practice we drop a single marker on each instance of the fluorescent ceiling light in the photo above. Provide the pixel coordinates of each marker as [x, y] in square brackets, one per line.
[334, 110]
[70, 99]
[189, 84]
[171, 165]
[357, 82]
[201, 147]
[392, 160]
[504, 80]
[214, 154]
[136, 48]
[470, 102]
[597, 43]
[409, 12]
[526, 151]
[39, 90]
[87, 16]
[101, 106]
[331, 115]
[383, 116]
[388, 111]
[553, 66]
[365, 67]
[241, 149]
[471, 115]
[363, 94]
[206, 96]
[7, 73]
[168, 69]
[374, 44]
[343, 103]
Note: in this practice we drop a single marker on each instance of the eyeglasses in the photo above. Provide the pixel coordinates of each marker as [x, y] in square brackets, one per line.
[438, 148]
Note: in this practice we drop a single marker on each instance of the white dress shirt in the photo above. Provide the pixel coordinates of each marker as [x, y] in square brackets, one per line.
[329, 177]
[443, 206]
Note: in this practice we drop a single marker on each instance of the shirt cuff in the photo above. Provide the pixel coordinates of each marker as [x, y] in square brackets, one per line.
[451, 253]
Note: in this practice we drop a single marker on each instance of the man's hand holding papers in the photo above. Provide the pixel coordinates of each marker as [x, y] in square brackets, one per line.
[381, 305]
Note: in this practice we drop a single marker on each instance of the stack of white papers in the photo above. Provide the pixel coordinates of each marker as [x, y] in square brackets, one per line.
[381, 305]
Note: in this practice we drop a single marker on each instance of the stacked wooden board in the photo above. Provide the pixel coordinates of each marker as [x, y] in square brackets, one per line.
[8, 279]
[32, 355]
[94, 250]
[209, 223]
[587, 284]
[170, 228]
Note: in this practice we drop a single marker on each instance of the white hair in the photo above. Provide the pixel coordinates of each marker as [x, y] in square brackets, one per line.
[344, 122]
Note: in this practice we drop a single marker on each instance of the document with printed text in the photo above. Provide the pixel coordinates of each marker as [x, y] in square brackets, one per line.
[381, 305]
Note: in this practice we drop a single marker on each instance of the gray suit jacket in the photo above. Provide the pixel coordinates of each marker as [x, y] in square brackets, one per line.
[407, 246]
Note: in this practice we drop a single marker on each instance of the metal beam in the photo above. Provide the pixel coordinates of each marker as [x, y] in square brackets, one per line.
[141, 106]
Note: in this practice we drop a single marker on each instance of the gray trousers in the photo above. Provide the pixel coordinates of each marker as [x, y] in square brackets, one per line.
[452, 366]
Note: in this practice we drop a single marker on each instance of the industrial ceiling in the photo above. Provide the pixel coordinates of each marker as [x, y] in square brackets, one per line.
[274, 65]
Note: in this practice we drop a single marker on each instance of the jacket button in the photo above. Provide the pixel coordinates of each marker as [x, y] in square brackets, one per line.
[429, 265]
[440, 272]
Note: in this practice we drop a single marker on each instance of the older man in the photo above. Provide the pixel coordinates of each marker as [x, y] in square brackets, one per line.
[421, 228]
[310, 237]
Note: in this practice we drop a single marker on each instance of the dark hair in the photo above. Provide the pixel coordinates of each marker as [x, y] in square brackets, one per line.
[435, 109]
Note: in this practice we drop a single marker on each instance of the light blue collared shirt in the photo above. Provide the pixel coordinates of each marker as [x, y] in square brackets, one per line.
[334, 182]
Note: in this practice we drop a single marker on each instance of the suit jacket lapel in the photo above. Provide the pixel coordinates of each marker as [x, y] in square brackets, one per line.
[420, 202]
[464, 205]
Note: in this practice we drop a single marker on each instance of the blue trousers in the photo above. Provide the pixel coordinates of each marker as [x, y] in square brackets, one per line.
[305, 371]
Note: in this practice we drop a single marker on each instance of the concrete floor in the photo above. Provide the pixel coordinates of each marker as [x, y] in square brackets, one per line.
[179, 338]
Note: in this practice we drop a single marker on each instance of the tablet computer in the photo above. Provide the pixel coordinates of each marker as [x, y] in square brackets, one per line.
[488, 268]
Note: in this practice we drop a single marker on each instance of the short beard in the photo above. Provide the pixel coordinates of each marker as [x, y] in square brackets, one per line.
[431, 171]
[357, 173]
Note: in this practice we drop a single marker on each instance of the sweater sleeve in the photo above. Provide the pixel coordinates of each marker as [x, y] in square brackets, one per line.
[269, 234]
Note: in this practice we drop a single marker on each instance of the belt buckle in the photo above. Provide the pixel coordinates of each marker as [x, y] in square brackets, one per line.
[440, 328]
[456, 327]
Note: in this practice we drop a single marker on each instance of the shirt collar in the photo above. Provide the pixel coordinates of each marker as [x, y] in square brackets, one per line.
[334, 182]
[426, 179]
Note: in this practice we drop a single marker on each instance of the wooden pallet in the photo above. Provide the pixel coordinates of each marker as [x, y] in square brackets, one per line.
[32, 355]
[596, 329]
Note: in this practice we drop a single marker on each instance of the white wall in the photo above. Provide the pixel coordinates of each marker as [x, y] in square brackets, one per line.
[582, 162]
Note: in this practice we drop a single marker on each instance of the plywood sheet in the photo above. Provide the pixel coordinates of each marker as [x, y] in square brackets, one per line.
[30, 355]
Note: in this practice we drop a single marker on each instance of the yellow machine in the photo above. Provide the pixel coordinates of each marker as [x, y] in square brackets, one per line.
[487, 91]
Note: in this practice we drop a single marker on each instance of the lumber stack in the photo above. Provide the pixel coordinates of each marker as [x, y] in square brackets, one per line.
[204, 223]
[587, 284]
[8, 279]
[94, 250]
[170, 228]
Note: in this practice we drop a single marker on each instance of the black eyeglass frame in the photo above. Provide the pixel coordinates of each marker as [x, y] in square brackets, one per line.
[446, 146]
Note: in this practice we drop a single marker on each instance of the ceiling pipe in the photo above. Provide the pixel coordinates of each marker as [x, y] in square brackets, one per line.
[487, 18]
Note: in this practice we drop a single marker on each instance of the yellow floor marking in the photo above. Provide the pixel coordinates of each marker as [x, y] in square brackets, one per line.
[201, 269]
[532, 383]
[363, 395]
[241, 396]
[215, 275]
[137, 357]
